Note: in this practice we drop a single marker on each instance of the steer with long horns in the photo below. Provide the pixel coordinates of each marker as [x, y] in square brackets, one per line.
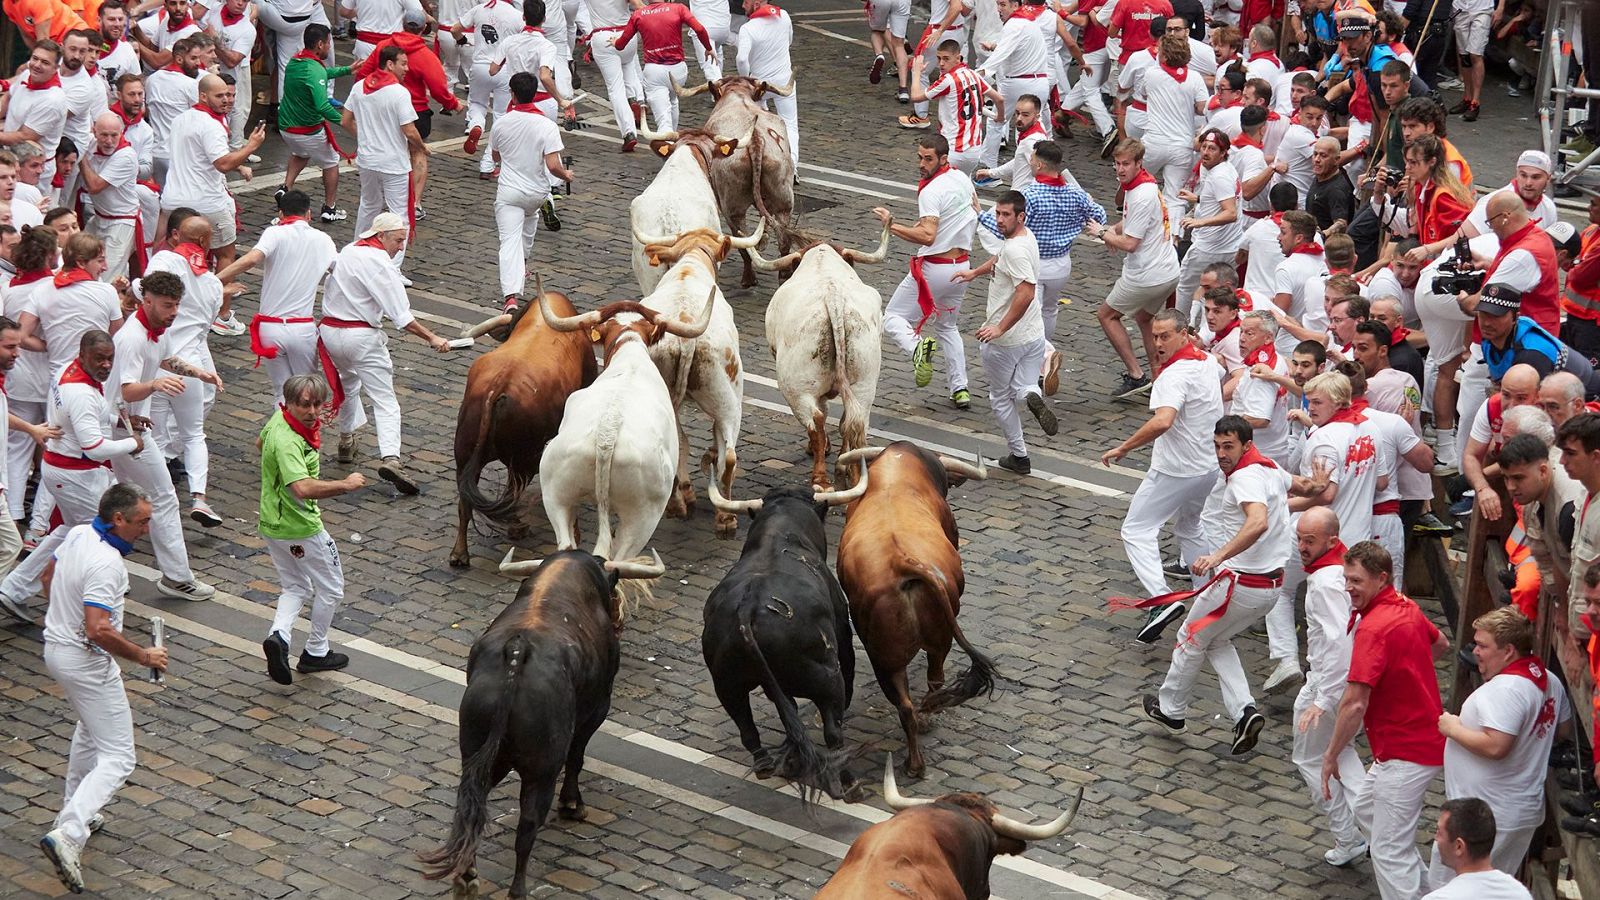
[778, 622]
[538, 688]
[825, 328]
[679, 198]
[512, 407]
[900, 566]
[706, 369]
[935, 849]
[618, 443]
[761, 170]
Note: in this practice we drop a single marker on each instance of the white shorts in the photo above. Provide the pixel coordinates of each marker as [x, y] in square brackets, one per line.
[1128, 298]
[224, 219]
[1472, 32]
[889, 15]
[314, 147]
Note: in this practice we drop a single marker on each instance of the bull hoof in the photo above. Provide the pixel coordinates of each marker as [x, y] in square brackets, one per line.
[465, 889]
[727, 525]
[748, 281]
[460, 560]
[686, 499]
[573, 812]
[765, 767]
[914, 771]
[821, 482]
[675, 508]
[851, 790]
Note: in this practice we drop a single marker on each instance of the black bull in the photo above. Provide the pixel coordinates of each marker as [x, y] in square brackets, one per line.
[779, 621]
[538, 687]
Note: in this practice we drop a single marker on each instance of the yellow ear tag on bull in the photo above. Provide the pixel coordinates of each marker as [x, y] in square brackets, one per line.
[594, 335]
[725, 149]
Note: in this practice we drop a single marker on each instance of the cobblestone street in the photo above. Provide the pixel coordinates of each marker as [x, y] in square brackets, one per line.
[329, 789]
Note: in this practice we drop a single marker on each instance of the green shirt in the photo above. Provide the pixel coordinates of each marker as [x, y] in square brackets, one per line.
[285, 459]
[303, 102]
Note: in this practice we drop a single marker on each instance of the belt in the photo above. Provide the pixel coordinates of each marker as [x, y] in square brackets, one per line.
[331, 322]
[1257, 213]
[1386, 508]
[1234, 579]
[269, 351]
[74, 463]
[924, 295]
[372, 37]
[297, 18]
[1138, 104]
[137, 256]
[1034, 75]
[960, 256]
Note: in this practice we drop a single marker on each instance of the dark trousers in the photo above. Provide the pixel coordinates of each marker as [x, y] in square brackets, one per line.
[1430, 52]
[1582, 335]
[1365, 230]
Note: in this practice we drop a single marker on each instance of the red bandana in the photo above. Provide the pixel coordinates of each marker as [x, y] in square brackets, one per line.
[175, 27]
[1187, 351]
[1266, 353]
[1349, 414]
[290, 220]
[194, 255]
[1180, 74]
[377, 80]
[373, 241]
[1269, 56]
[71, 276]
[1245, 140]
[229, 18]
[1310, 248]
[29, 277]
[108, 49]
[1530, 668]
[929, 180]
[150, 331]
[74, 374]
[765, 10]
[1140, 177]
[307, 54]
[1028, 13]
[173, 67]
[126, 121]
[312, 435]
[1035, 128]
[1398, 336]
[53, 81]
[524, 107]
[1251, 457]
[219, 117]
[1334, 557]
[1227, 329]
[1057, 180]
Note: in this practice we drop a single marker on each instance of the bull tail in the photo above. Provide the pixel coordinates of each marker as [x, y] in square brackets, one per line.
[758, 167]
[978, 679]
[799, 760]
[502, 508]
[604, 453]
[460, 851]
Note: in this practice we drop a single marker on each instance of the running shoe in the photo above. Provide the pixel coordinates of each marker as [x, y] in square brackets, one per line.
[201, 512]
[473, 137]
[875, 74]
[1041, 412]
[335, 214]
[547, 215]
[962, 399]
[913, 121]
[922, 361]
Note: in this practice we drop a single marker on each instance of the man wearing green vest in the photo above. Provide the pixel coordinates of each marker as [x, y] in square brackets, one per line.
[306, 118]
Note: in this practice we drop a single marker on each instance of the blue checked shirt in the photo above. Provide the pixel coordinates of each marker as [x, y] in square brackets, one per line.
[1056, 216]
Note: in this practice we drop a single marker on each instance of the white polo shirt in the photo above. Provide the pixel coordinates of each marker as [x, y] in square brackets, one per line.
[137, 361]
[120, 169]
[1190, 387]
[195, 142]
[1154, 261]
[296, 258]
[89, 572]
[168, 92]
[948, 196]
[380, 145]
[523, 139]
[65, 313]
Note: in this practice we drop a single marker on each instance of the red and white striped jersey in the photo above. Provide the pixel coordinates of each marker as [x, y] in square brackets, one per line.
[960, 93]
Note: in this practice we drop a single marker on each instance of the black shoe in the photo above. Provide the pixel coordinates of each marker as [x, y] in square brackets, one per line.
[1108, 144]
[332, 662]
[1581, 804]
[1152, 711]
[1041, 411]
[1159, 619]
[1569, 781]
[1247, 730]
[277, 197]
[1014, 463]
[1460, 107]
[277, 652]
[176, 469]
[1587, 825]
[1131, 386]
[1471, 115]
[1176, 569]
[1429, 524]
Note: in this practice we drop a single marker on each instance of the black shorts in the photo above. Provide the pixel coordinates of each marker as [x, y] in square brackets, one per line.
[425, 123]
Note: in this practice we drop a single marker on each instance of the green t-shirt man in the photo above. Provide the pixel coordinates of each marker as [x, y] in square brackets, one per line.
[286, 457]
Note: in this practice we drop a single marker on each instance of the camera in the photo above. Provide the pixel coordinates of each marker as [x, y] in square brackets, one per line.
[1459, 275]
[1391, 177]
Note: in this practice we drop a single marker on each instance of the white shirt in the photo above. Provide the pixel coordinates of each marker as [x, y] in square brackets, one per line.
[24, 212]
[365, 286]
[1190, 387]
[187, 338]
[1269, 487]
[379, 16]
[1020, 51]
[1019, 168]
[121, 60]
[1170, 118]
[613, 13]
[296, 258]
[1353, 462]
[1218, 183]
[1514, 786]
[120, 169]
[764, 44]
[948, 196]
[89, 572]
[1144, 216]
[240, 37]
[1385, 284]
[1248, 161]
[1265, 68]
[380, 145]
[196, 141]
[1295, 149]
[1389, 391]
[714, 15]
[29, 379]
[1016, 263]
[1328, 638]
[1491, 885]
[85, 420]
[137, 361]
[528, 51]
[1543, 214]
[143, 139]
[167, 94]
[86, 99]
[495, 21]
[1258, 398]
[155, 27]
[44, 111]
[1394, 438]
[65, 313]
[1202, 58]
[1293, 274]
[1226, 120]
[522, 139]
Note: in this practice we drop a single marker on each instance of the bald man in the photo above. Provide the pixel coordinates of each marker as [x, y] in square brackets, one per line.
[109, 176]
[1328, 638]
[1332, 198]
[1561, 396]
[197, 177]
[1519, 387]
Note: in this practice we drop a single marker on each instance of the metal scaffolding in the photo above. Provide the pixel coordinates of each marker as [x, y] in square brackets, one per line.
[1562, 24]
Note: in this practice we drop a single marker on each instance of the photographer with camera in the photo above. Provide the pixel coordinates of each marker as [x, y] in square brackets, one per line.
[1439, 202]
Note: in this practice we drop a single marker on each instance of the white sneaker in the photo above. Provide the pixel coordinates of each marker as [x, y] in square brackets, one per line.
[229, 327]
[1287, 671]
[16, 610]
[1344, 856]
[185, 590]
[95, 823]
[1446, 456]
[202, 513]
[64, 857]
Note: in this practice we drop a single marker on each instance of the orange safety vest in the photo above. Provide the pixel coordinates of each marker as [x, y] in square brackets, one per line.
[1452, 155]
[1585, 304]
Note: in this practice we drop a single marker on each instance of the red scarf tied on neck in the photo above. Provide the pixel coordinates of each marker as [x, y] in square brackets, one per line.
[1179, 74]
[175, 27]
[307, 54]
[152, 332]
[1351, 414]
[229, 17]
[1333, 557]
[53, 81]
[1139, 177]
[1269, 56]
[1187, 351]
[1245, 140]
[922, 183]
[127, 121]
[74, 374]
[1223, 332]
[1310, 248]
[71, 276]
[1266, 354]
[1530, 668]
[1028, 13]
[765, 10]
[525, 107]
[1251, 457]
[1398, 336]
[1036, 128]
[195, 255]
[311, 435]
[378, 80]
[29, 276]
[1056, 180]
[219, 117]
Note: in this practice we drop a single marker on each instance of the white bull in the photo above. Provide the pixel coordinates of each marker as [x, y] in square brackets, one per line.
[706, 369]
[679, 198]
[618, 440]
[825, 327]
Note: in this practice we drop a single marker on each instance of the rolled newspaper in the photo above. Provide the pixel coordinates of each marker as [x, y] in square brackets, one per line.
[158, 638]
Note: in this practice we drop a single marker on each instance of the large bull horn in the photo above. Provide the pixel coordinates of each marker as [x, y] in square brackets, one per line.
[646, 240]
[856, 256]
[745, 243]
[1011, 828]
[786, 91]
[723, 504]
[698, 89]
[966, 470]
[891, 793]
[693, 329]
[865, 454]
[567, 323]
[777, 265]
[627, 568]
[840, 498]
[646, 134]
[521, 569]
[487, 325]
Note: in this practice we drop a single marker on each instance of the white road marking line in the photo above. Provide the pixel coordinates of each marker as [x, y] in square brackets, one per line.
[822, 13]
[263, 183]
[871, 179]
[835, 35]
[855, 190]
[869, 814]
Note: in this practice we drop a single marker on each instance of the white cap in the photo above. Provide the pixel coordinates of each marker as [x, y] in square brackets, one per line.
[1565, 236]
[383, 222]
[1538, 159]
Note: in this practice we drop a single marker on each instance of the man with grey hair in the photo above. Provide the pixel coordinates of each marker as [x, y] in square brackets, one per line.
[25, 160]
[1550, 501]
[1561, 396]
[1529, 420]
[1403, 353]
[1259, 400]
[109, 174]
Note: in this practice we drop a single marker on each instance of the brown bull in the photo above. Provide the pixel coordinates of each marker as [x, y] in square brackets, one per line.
[512, 407]
[900, 567]
[760, 172]
[934, 849]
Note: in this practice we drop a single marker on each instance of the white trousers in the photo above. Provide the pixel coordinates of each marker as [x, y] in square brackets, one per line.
[1388, 806]
[788, 109]
[77, 497]
[486, 94]
[1309, 747]
[1172, 163]
[1053, 275]
[1086, 93]
[658, 93]
[930, 70]
[297, 352]
[1475, 390]
[240, 115]
[516, 215]
[1282, 642]
[362, 357]
[102, 755]
[1012, 89]
[620, 70]
[1510, 846]
[309, 570]
[719, 40]
[117, 235]
[1013, 373]
[902, 313]
[181, 420]
[1160, 498]
[967, 161]
[457, 58]
[10, 544]
[1214, 645]
[1444, 323]
[148, 469]
[1391, 536]
[20, 450]
[382, 191]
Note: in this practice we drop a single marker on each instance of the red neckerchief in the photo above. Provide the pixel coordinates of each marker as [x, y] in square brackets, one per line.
[1277, 218]
[74, 374]
[1269, 56]
[1348, 414]
[72, 276]
[59, 180]
[29, 277]
[126, 122]
[151, 331]
[53, 81]
[1035, 128]
[1245, 140]
[1309, 248]
[173, 67]
[1247, 303]
[188, 19]
[1267, 354]
[1058, 180]
[1387, 595]
[290, 220]
[307, 54]
[1530, 668]
[1251, 457]
[1180, 74]
[378, 79]
[312, 435]
[108, 49]
[1187, 351]
[1359, 405]
[1139, 177]
[1272, 115]
[373, 241]
[529, 29]
[1334, 557]
[765, 10]
[525, 107]
[1227, 329]
[1028, 13]
[221, 120]
[228, 19]
[1398, 336]
[194, 255]
[929, 180]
